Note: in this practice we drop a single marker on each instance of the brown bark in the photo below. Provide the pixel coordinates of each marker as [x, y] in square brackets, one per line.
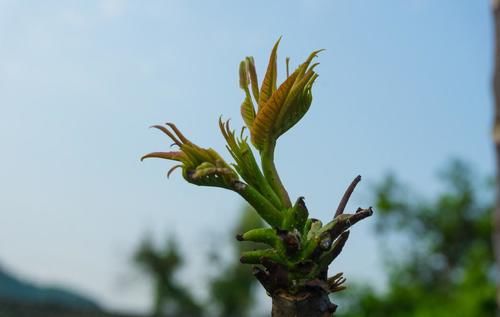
[496, 139]
[314, 303]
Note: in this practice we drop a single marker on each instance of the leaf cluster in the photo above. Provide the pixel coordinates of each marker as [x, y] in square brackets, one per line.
[300, 248]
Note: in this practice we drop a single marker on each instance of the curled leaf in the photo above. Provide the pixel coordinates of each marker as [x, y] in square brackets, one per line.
[199, 166]
[174, 155]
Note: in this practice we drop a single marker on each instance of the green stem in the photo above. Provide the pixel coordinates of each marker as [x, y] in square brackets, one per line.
[252, 174]
[266, 189]
[263, 207]
[271, 174]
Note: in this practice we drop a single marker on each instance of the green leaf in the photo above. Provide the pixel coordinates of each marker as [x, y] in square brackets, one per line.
[253, 77]
[299, 99]
[173, 155]
[243, 75]
[269, 83]
[263, 127]
[259, 256]
[200, 166]
[246, 165]
[261, 235]
[247, 111]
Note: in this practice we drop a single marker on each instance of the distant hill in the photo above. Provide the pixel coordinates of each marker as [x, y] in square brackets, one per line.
[18, 309]
[15, 289]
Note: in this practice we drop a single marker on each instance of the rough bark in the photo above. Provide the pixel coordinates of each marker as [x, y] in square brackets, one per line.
[314, 303]
[496, 139]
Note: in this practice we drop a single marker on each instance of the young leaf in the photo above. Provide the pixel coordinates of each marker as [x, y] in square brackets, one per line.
[269, 82]
[260, 235]
[247, 109]
[253, 77]
[264, 124]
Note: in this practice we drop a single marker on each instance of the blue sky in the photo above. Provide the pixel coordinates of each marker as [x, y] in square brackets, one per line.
[403, 87]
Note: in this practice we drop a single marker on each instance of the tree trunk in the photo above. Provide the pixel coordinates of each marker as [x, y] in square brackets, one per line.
[496, 139]
[314, 303]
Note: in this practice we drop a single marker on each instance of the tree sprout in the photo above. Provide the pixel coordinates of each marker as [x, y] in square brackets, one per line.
[294, 268]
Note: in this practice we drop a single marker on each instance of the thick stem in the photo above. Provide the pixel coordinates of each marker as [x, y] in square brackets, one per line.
[271, 174]
[314, 303]
[268, 192]
[263, 206]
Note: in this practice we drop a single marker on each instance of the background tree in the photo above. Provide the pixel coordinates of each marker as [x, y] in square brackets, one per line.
[232, 291]
[496, 140]
[443, 261]
[170, 298]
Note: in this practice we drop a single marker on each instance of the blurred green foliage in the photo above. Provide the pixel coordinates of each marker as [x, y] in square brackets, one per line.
[161, 264]
[437, 252]
[232, 291]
